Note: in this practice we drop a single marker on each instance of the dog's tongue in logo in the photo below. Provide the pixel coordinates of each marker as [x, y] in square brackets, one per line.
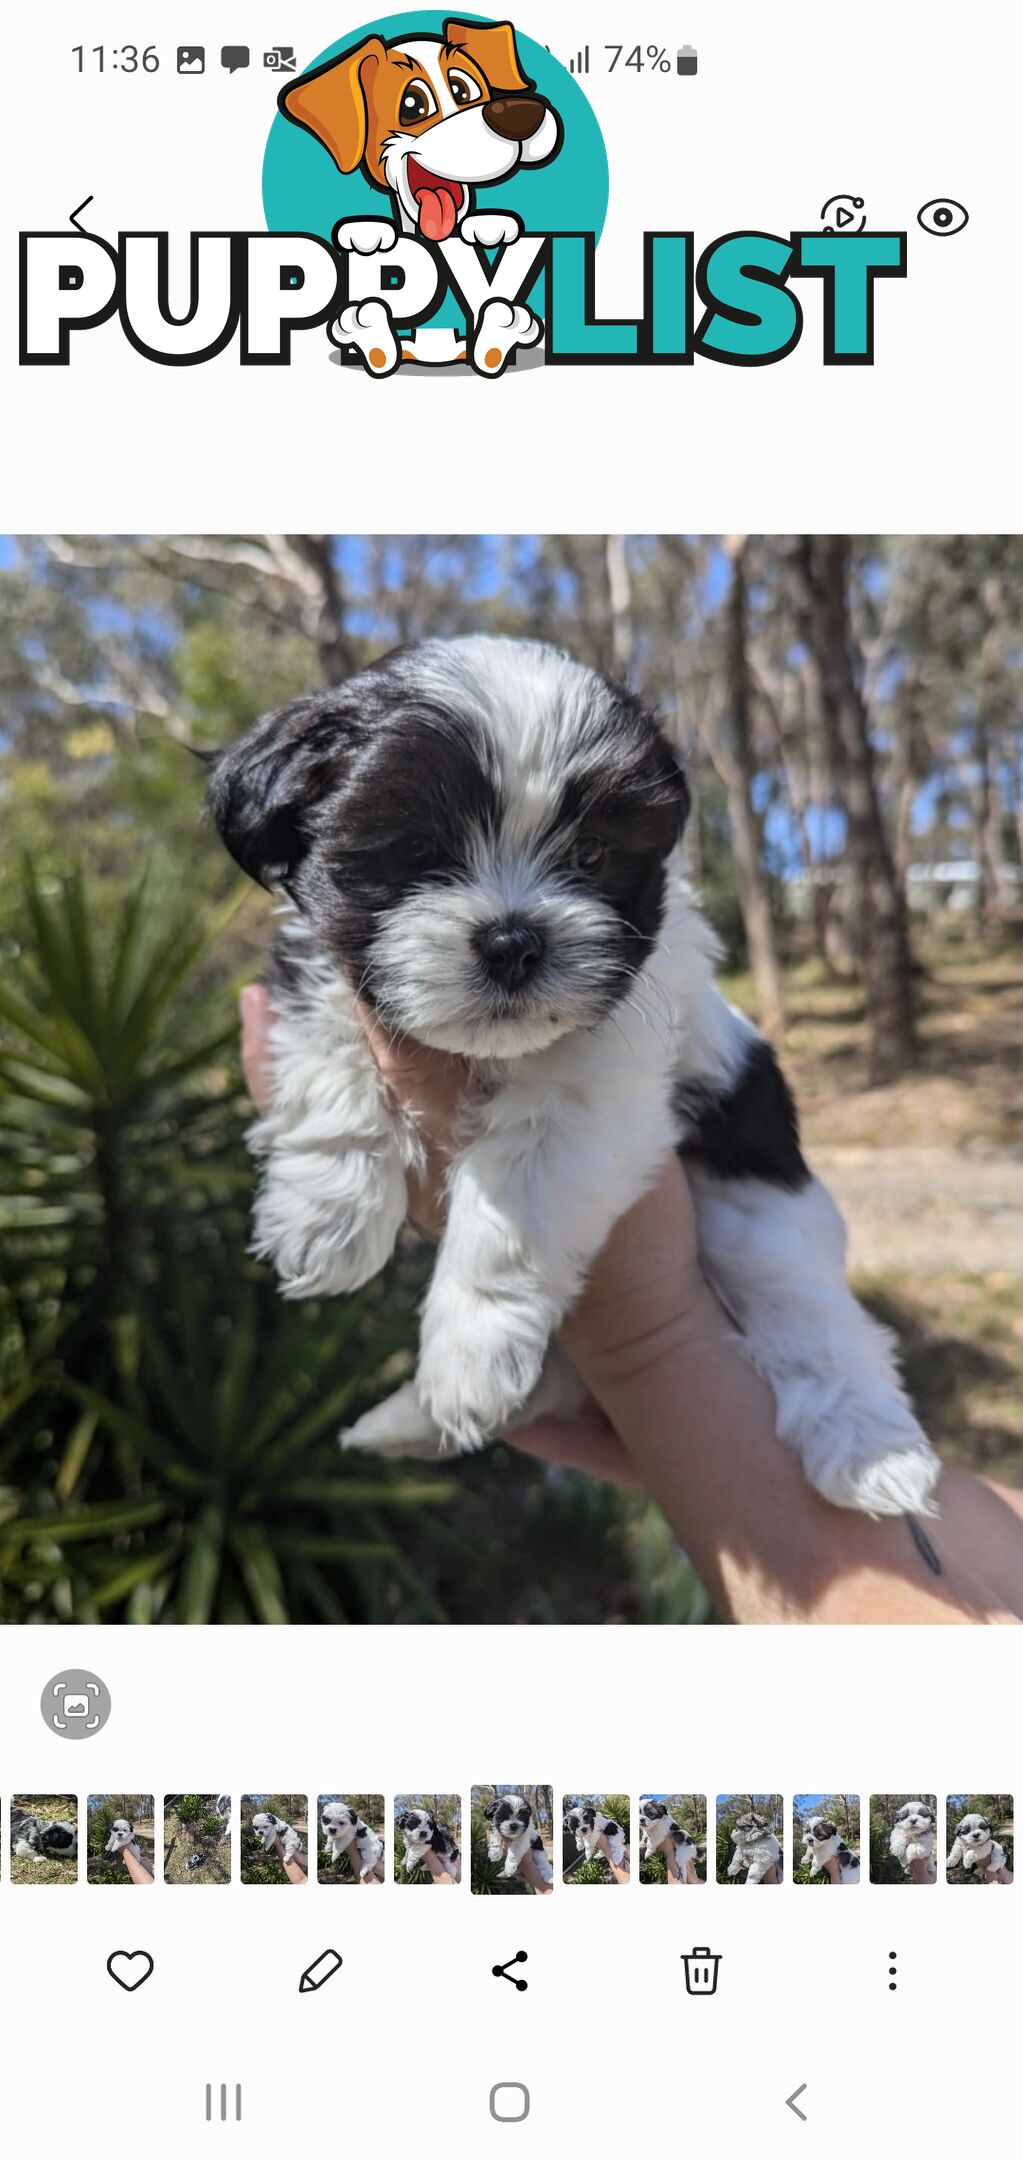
[438, 201]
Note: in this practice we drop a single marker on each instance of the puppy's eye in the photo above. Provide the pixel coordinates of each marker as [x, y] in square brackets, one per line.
[464, 91]
[588, 855]
[418, 103]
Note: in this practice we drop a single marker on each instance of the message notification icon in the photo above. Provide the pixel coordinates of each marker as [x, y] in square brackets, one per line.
[233, 57]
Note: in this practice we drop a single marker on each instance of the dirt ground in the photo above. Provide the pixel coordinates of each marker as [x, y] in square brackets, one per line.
[929, 1176]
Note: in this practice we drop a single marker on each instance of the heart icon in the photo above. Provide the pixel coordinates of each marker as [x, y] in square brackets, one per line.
[129, 1968]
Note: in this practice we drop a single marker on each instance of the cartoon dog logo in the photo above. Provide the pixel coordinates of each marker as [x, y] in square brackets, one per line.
[428, 120]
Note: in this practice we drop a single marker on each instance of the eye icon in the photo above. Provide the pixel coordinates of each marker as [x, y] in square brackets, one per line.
[942, 217]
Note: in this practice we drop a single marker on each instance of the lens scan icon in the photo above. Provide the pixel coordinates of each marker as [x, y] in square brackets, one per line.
[75, 1704]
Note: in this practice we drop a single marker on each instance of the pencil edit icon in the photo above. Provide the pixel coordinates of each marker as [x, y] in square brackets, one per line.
[321, 1970]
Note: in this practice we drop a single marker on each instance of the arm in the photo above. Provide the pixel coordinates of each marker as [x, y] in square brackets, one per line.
[136, 1866]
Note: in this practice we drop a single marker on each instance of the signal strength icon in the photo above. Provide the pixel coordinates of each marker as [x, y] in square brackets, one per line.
[581, 64]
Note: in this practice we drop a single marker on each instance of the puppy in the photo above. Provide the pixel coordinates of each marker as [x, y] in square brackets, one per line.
[33, 1838]
[342, 1829]
[428, 120]
[913, 1836]
[658, 1830]
[480, 840]
[585, 1823]
[270, 1828]
[122, 1838]
[510, 1835]
[976, 1847]
[422, 1835]
[822, 1843]
[756, 1848]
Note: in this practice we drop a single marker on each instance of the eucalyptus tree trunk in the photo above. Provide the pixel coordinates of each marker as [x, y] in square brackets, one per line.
[879, 921]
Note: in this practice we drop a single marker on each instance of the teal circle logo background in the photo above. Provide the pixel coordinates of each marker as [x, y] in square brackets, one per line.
[304, 192]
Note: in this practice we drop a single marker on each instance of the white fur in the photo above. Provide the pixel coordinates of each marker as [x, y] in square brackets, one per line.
[512, 1847]
[341, 1828]
[569, 1120]
[913, 1836]
[122, 1838]
[975, 1847]
[757, 1851]
[819, 1850]
[662, 1830]
[587, 1837]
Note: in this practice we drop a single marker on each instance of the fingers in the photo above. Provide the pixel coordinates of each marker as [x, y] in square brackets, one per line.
[588, 1445]
[254, 1009]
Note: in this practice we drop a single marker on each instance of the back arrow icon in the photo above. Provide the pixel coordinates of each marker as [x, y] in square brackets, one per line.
[791, 2102]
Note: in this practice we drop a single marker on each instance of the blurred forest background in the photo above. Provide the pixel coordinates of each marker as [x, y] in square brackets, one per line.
[850, 713]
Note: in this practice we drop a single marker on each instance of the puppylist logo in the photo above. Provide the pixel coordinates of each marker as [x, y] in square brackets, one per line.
[434, 189]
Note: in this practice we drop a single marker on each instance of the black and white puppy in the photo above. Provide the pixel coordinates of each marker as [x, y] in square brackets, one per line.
[822, 1843]
[33, 1838]
[976, 1846]
[423, 1834]
[271, 1827]
[122, 1838]
[658, 1830]
[586, 1823]
[913, 1836]
[480, 840]
[343, 1828]
[511, 1833]
[757, 1849]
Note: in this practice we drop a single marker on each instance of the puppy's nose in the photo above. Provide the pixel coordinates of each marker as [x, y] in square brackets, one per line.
[516, 117]
[511, 951]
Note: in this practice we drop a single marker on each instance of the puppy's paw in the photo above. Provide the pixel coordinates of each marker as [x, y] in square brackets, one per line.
[503, 327]
[367, 325]
[490, 228]
[398, 1426]
[365, 236]
[899, 1480]
[478, 1364]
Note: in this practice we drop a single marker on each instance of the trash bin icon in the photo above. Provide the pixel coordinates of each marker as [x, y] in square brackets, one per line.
[701, 1971]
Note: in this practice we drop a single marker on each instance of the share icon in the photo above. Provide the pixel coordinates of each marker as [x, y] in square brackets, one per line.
[501, 1971]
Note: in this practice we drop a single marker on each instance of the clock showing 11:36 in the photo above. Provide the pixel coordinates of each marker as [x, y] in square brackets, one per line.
[127, 59]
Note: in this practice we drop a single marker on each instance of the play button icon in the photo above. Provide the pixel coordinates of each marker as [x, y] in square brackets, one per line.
[843, 214]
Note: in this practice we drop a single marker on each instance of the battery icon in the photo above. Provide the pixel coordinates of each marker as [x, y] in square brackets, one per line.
[686, 61]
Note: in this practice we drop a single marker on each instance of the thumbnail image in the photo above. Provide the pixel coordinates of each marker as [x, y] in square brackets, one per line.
[274, 1838]
[44, 1838]
[750, 1837]
[673, 1838]
[826, 1838]
[979, 1837]
[120, 1838]
[427, 1838]
[351, 1841]
[903, 1846]
[512, 1839]
[595, 1838]
[197, 1838]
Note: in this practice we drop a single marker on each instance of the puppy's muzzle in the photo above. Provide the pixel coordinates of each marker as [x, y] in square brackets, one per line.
[514, 118]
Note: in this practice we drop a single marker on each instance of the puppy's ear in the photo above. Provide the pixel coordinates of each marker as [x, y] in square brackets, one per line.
[332, 102]
[492, 46]
[263, 791]
[490, 1811]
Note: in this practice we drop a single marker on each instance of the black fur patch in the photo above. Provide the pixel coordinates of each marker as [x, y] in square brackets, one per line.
[751, 1132]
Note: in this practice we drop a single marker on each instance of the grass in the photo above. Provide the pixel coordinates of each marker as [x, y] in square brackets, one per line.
[201, 1833]
[52, 1807]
